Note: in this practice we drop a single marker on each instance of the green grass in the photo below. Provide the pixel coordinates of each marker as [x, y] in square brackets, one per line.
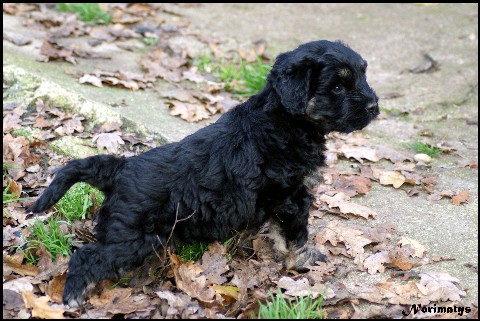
[240, 77]
[76, 202]
[88, 12]
[49, 235]
[420, 147]
[191, 252]
[74, 205]
[150, 41]
[300, 308]
[195, 251]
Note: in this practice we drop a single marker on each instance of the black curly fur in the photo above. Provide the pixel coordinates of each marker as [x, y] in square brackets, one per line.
[245, 169]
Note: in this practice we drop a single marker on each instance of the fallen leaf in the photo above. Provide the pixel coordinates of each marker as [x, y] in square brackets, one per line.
[91, 79]
[54, 288]
[19, 285]
[214, 263]
[110, 141]
[439, 286]
[340, 200]
[352, 185]
[188, 112]
[193, 75]
[369, 293]
[401, 261]
[14, 263]
[178, 302]
[178, 94]
[375, 263]
[226, 290]
[41, 308]
[460, 198]
[336, 232]
[418, 248]
[54, 51]
[300, 287]
[189, 279]
[110, 126]
[389, 177]
[359, 153]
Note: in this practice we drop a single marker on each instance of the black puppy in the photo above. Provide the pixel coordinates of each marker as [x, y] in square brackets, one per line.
[247, 168]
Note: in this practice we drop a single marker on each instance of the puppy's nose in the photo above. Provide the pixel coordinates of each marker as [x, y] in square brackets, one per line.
[372, 107]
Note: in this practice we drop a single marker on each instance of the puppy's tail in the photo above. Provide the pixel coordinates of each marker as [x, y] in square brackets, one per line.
[98, 171]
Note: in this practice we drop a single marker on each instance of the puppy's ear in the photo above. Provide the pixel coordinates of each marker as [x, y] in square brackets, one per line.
[291, 79]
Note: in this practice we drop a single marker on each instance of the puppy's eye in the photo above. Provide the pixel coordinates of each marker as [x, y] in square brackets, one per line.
[338, 89]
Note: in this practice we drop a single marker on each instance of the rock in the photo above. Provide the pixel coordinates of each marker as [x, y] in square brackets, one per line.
[424, 158]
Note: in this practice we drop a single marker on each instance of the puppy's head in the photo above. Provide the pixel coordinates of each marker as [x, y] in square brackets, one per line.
[325, 82]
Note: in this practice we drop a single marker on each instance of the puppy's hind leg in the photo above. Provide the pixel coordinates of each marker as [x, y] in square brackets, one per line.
[94, 262]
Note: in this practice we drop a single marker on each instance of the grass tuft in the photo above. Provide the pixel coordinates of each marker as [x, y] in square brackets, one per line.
[195, 251]
[300, 308]
[240, 77]
[191, 252]
[49, 235]
[88, 12]
[76, 202]
[424, 148]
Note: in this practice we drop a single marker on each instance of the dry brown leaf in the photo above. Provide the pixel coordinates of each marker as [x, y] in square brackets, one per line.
[351, 185]
[246, 276]
[336, 232]
[19, 285]
[91, 79]
[401, 261]
[389, 177]
[54, 288]
[340, 200]
[14, 263]
[54, 51]
[178, 94]
[110, 141]
[320, 270]
[375, 263]
[302, 287]
[418, 248]
[41, 308]
[178, 302]
[214, 263]
[439, 286]
[110, 296]
[193, 75]
[405, 294]
[118, 301]
[369, 293]
[359, 153]
[188, 112]
[110, 126]
[189, 279]
[70, 126]
[460, 198]
[11, 120]
[392, 154]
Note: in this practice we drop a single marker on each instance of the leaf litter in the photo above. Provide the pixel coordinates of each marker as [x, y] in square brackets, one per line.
[215, 286]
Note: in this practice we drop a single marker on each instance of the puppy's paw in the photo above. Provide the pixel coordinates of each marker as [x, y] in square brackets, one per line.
[75, 291]
[300, 258]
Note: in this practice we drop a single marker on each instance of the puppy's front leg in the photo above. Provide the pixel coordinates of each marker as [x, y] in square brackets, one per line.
[289, 231]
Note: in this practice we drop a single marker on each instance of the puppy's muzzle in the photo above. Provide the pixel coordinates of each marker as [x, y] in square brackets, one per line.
[372, 108]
